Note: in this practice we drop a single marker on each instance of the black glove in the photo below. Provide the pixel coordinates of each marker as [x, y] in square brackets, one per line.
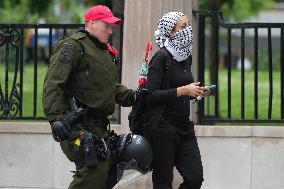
[60, 130]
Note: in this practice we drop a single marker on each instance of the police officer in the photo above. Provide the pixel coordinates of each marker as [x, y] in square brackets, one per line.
[82, 67]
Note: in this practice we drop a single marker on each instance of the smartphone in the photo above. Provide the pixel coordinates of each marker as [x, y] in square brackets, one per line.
[211, 87]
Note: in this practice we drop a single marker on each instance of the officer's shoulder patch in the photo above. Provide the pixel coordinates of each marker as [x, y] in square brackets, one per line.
[66, 53]
[69, 47]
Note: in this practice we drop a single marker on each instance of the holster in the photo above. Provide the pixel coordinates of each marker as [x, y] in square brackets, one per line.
[93, 144]
[90, 152]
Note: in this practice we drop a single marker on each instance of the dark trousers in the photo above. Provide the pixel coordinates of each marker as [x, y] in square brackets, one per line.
[171, 149]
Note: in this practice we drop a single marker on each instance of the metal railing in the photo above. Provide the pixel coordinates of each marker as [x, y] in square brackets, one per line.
[215, 116]
[29, 45]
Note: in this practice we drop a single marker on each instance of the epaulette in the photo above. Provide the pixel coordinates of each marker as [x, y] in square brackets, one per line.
[78, 35]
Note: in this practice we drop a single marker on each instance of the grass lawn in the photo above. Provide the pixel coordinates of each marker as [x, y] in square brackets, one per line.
[28, 87]
[263, 94]
[28, 90]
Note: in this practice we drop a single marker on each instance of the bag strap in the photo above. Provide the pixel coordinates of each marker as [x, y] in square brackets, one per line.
[165, 86]
[167, 66]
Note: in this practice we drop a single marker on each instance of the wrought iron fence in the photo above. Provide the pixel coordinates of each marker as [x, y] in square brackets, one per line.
[24, 50]
[224, 104]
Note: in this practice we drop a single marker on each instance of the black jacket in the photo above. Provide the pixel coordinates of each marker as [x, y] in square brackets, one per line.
[163, 91]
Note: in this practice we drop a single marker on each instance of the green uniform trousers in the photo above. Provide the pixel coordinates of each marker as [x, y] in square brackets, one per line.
[86, 178]
[90, 178]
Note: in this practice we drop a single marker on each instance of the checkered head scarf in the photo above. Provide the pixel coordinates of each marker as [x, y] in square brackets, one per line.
[180, 44]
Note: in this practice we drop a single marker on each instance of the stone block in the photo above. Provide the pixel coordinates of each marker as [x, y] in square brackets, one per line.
[267, 163]
[26, 160]
[226, 162]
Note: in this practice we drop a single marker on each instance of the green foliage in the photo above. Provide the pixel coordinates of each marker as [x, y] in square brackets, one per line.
[100, 2]
[240, 9]
[73, 10]
[236, 10]
[52, 11]
[70, 12]
[16, 11]
[203, 5]
[39, 6]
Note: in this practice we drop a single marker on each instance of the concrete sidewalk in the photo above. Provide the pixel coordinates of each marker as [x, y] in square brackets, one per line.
[129, 178]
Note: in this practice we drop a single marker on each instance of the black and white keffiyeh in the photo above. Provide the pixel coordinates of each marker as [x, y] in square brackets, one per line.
[180, 44]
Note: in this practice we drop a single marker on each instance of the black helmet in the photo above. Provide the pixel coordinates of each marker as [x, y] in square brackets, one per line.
[135, 153]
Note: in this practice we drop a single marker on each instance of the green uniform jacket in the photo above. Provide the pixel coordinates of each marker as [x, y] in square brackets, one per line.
[82, 68]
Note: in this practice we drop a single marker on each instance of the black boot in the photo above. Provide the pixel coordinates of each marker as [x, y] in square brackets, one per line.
[190, 185]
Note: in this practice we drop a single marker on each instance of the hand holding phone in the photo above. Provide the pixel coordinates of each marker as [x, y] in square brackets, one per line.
[207, 91]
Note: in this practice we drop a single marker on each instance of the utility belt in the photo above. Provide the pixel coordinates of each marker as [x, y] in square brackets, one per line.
[90, 123]
[86, 117]
[91, 145]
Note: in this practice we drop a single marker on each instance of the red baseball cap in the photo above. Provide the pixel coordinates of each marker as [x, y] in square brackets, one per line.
[100, 12]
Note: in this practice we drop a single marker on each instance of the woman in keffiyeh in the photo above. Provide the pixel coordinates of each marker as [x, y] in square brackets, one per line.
[172, 137]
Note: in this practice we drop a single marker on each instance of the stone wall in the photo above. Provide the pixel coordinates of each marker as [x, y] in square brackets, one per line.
[234, 157]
